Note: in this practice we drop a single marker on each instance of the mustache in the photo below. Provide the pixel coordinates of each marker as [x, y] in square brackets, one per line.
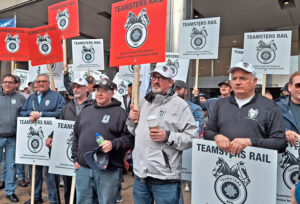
[156, 84]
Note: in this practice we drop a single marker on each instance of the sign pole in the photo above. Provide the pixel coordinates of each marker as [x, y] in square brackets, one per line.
[52, 84]
[12, 67]
[136, 86]
[32, 184]
[196, 74]
[65, 52]
[263, 90]
[72, 190]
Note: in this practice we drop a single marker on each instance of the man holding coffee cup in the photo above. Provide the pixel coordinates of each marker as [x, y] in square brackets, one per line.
[166, 127]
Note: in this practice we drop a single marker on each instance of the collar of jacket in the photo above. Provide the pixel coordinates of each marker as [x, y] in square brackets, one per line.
[150, 96]
[43, 94]
[232, 99]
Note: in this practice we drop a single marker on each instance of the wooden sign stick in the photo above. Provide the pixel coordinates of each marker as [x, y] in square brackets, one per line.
[52, 84]
[32, 184]
[263, 89]
[72, 190]
[196, 74]
[136, 87]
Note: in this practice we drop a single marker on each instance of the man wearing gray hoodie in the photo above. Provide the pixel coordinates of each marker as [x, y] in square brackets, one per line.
[10, 104]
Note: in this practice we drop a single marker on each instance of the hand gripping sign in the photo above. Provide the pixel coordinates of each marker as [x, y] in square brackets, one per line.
[134, 32]
[65, 15]
[14, 44]
[45, 45]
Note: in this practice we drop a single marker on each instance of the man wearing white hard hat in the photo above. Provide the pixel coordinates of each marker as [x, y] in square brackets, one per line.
[70, 112]
[158, 151]
[245, 118]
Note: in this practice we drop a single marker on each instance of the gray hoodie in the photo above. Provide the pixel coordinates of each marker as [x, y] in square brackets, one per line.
[10, 105]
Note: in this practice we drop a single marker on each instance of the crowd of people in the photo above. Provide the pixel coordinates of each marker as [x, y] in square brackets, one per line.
[108, 127]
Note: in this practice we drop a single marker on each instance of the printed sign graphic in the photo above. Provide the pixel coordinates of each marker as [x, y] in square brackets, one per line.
[199, 39]
[65, 15]
[269, 52]
[24, 77]
[134, 32]
[45, 45]
[14, 44]
[233, 178]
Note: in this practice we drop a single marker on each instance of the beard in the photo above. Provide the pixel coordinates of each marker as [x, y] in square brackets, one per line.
[181, 96]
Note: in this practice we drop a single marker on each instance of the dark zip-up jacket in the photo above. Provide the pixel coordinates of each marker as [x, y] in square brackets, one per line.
[110, 122]
[10, 105]
[51, 104]
[260, 120]
[288, 117]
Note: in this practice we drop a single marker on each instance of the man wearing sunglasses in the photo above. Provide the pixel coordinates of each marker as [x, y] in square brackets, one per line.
[290, 108]
[158, 151]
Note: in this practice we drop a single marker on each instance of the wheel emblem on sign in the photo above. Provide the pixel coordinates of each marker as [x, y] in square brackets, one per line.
[23, 78]
[198, 38]
[290, 165]
[266, 52]
[44, 44]
[88, 54]
[173, 66]
[122, 88]
[12, 43]
[35, 139]
[230, 185]
[69, 148]
[131, 68]
[62, 19]
[136, 27]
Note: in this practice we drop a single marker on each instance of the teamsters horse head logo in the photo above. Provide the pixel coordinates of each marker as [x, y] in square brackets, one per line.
[35, 139]
[62, 19]
[291, 169]
[122, 88]
[69, 148]
[136, 27]
[230, 185]
[44, 44]
[173, 66]
[266, 52]
[12, 43]
[88, 54]
[198, 38]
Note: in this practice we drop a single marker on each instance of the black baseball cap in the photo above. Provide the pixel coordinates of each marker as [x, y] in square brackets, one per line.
[105, 83]
[180, 84]
[17, 79]
[285, 87]
[226, 82]
[97, 159]
[90, 79]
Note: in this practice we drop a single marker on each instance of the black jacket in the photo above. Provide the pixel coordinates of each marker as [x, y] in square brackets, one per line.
[260, 120]
[110, 122]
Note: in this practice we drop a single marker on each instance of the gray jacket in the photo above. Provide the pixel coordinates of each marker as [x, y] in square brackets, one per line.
[162, 160]
[10, 105]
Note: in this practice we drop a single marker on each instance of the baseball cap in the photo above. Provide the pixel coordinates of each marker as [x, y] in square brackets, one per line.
[80, 81]
[105, 83]
[103, 76]
[226, 82]
[202, 95]
[285, 88]
[180, 84]
[248, 67]
[163, 70]
[97, 159]
[129, 84]
[90, 79]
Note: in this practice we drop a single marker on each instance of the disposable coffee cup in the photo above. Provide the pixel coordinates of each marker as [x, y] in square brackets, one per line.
[152, 122]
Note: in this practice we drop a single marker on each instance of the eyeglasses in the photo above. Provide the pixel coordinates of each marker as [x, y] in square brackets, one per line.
[8, 82]
[42, 81]
[159, 78]
[297, 85]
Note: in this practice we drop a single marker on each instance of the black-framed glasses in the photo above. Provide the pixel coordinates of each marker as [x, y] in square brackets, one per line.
[159, 78]
[8, 82]
[42, 81]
